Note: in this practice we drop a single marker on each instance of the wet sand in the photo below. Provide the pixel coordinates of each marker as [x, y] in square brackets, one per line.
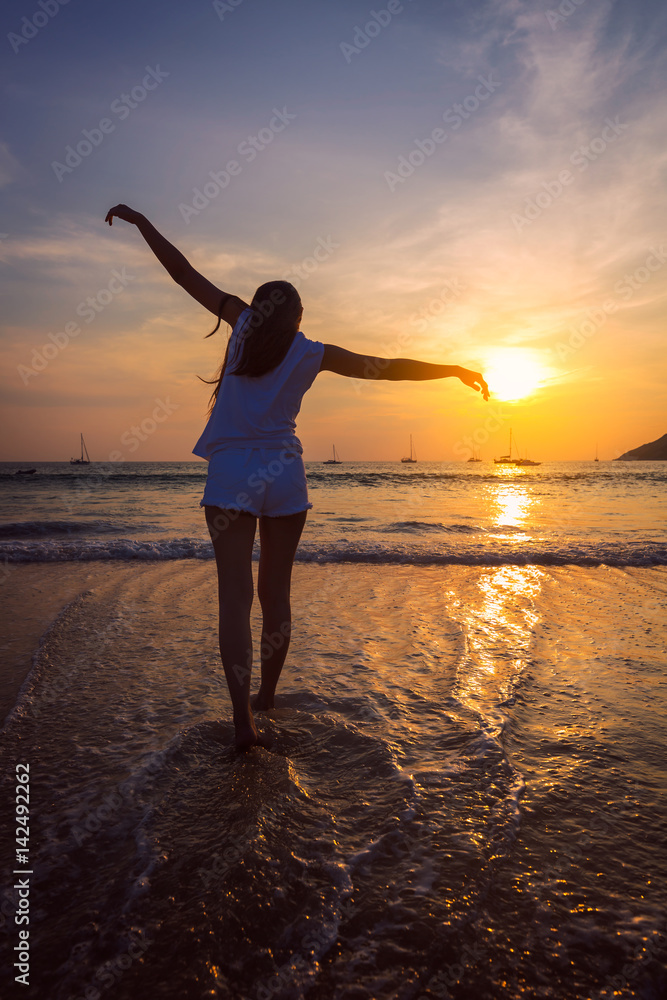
[465, 789]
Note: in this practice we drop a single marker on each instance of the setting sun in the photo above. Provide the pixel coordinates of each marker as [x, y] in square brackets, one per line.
[513, 373]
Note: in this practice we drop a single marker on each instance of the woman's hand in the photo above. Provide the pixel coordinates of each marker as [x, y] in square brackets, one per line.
[125, 213]
[474, 380]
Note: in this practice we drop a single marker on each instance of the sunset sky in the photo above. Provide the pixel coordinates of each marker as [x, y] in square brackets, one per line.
[475, 183]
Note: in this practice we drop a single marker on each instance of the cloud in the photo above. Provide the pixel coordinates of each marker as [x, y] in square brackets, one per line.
[448, 225]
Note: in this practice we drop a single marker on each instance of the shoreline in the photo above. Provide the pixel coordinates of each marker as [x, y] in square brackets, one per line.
[36, 594]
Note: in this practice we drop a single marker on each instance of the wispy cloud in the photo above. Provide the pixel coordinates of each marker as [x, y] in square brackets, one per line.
[450, 223]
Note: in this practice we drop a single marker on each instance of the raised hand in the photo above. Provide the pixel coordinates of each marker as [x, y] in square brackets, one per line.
[475, 381]
[125, 213]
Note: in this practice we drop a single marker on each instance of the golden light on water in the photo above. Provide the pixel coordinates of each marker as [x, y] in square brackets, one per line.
[499, 627]
[513, 373]
[512, 505]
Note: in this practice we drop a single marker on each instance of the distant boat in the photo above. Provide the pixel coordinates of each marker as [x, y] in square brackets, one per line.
[475, 457]
[24, 472]
[333, 461]
[82, 460]
[521, 462]
[413, 454]
[596, 459]
[506, 459]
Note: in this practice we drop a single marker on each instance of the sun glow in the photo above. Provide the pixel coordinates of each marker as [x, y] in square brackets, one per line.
[513, 373]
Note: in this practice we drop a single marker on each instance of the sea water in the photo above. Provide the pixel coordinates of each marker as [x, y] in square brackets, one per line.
[582, 513]
[465, 790]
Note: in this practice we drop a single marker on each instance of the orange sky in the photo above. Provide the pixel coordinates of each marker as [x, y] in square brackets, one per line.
[527, 242]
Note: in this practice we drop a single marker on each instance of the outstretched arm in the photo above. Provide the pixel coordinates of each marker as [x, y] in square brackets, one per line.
[337, 359]
[179, 267]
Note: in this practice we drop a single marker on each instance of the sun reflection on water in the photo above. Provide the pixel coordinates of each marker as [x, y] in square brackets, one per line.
[510, 504]
[499, 629]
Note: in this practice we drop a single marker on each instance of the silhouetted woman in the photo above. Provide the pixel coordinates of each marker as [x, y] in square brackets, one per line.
[255, 464]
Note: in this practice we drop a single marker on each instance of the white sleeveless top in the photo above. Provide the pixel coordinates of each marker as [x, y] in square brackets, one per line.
[260, 412]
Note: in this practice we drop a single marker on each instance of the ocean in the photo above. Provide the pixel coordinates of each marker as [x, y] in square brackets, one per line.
[465, 791]
[561, 513]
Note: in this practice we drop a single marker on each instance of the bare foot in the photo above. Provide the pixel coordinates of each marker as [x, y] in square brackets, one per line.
[246, 736]
[261, 703]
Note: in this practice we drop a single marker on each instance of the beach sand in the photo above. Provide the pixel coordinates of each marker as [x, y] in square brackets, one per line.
[32, 597]
[465, 792]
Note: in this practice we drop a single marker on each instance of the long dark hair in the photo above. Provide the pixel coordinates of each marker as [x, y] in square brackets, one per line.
[268, 335]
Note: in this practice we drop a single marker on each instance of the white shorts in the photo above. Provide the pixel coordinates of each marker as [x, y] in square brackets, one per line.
[266, 482]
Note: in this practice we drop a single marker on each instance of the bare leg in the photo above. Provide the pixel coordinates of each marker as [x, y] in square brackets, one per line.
[279, 538]
[232, 534]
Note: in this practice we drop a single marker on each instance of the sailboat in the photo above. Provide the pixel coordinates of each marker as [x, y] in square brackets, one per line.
[522, 462]
[475, 457]
[596, 459]
[413, 454]
[82, 460]
[333, 461]
[506, 459]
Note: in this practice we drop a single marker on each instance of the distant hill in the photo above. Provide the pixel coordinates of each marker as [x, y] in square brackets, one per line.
[655, 451]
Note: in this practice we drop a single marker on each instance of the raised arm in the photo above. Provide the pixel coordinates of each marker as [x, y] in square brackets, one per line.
[337, 359]
[179, 267]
